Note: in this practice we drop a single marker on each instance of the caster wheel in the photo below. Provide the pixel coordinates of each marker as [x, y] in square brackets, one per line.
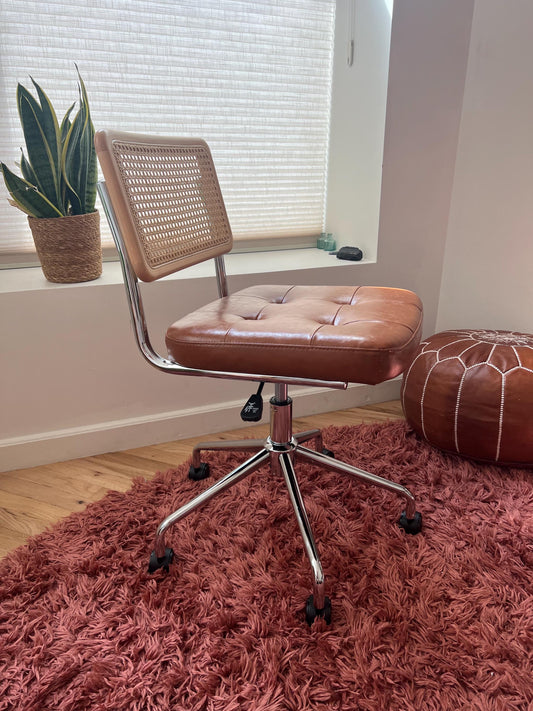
[163, 562]
[311, 613]
[201, 472]
[328, 453]
[411, 525]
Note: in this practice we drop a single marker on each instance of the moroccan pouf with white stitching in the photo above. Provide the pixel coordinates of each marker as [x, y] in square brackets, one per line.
[471, 393]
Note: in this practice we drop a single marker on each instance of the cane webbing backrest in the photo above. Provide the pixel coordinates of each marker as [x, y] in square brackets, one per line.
[166, 198]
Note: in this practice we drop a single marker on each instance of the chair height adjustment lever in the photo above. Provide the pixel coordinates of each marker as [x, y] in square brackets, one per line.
[253, 410]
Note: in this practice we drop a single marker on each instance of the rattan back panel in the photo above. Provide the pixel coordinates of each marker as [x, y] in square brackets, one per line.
[167, 200]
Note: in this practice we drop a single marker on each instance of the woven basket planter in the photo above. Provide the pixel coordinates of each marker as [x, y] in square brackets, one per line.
[69, 248]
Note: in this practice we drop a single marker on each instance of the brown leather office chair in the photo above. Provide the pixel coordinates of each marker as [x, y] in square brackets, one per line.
[164, 205]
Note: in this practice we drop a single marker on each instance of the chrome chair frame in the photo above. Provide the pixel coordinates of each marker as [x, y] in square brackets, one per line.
[279, 450]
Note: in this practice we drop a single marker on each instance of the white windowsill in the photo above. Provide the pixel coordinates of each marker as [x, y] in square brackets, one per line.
[32, 278]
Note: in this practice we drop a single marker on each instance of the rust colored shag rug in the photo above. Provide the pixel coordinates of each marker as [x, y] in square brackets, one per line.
[434, 622]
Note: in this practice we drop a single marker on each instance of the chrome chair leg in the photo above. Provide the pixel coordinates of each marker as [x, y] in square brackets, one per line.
[242, 445]
[161, 556]
[410, 520]
[302, 437]
[318, 605]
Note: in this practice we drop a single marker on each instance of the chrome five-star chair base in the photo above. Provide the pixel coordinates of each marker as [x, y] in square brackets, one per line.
[279, 451]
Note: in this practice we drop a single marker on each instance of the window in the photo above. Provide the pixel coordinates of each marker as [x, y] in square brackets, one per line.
[252, 78]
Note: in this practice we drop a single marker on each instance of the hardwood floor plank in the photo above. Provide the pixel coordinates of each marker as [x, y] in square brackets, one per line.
[8, 542]
[26, 515]
[45, 486]
[32, 499]
[92, 478]
[130, 463]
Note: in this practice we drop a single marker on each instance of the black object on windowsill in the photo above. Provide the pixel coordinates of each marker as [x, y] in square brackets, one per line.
[353, 254]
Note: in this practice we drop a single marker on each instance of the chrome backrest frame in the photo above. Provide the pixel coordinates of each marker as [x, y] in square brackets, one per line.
[140, 328]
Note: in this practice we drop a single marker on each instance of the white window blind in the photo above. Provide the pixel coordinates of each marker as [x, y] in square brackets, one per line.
[252, 78]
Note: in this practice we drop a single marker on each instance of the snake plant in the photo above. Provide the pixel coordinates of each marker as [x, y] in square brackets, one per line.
[59, 172]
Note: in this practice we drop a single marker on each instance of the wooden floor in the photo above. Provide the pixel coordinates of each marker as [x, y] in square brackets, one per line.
[32, 499]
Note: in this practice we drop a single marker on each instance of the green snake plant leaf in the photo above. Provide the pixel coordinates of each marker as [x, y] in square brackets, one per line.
[52, 132]
[22, 92]
[64, 129]
[49, 124]
[89, 163]
[44, 113]
[71, 161]
[40, 154]
[26, 197]
[78, 161]
[65, 124]
[26, 169]
[92, 171]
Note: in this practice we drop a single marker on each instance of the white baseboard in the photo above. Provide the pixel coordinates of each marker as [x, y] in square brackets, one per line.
[115, 435]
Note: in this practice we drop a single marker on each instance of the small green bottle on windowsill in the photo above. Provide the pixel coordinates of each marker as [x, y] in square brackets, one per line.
[326, 242]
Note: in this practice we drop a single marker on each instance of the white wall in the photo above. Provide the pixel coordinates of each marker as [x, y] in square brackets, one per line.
[487, 277]
[429, 49]
[72, 382]
[359, 99]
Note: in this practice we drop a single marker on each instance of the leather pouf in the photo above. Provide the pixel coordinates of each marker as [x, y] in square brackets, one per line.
[471, 393]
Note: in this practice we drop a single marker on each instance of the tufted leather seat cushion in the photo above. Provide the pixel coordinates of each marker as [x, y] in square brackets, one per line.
[358, 334]
[471, 392]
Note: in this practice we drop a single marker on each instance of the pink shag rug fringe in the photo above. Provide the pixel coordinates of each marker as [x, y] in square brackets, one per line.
[438, 621]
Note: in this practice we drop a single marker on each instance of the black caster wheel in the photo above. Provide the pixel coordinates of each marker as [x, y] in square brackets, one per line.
[163, 562]
[328, 452]
[311, 613]
[201, 472]
[411, 525]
